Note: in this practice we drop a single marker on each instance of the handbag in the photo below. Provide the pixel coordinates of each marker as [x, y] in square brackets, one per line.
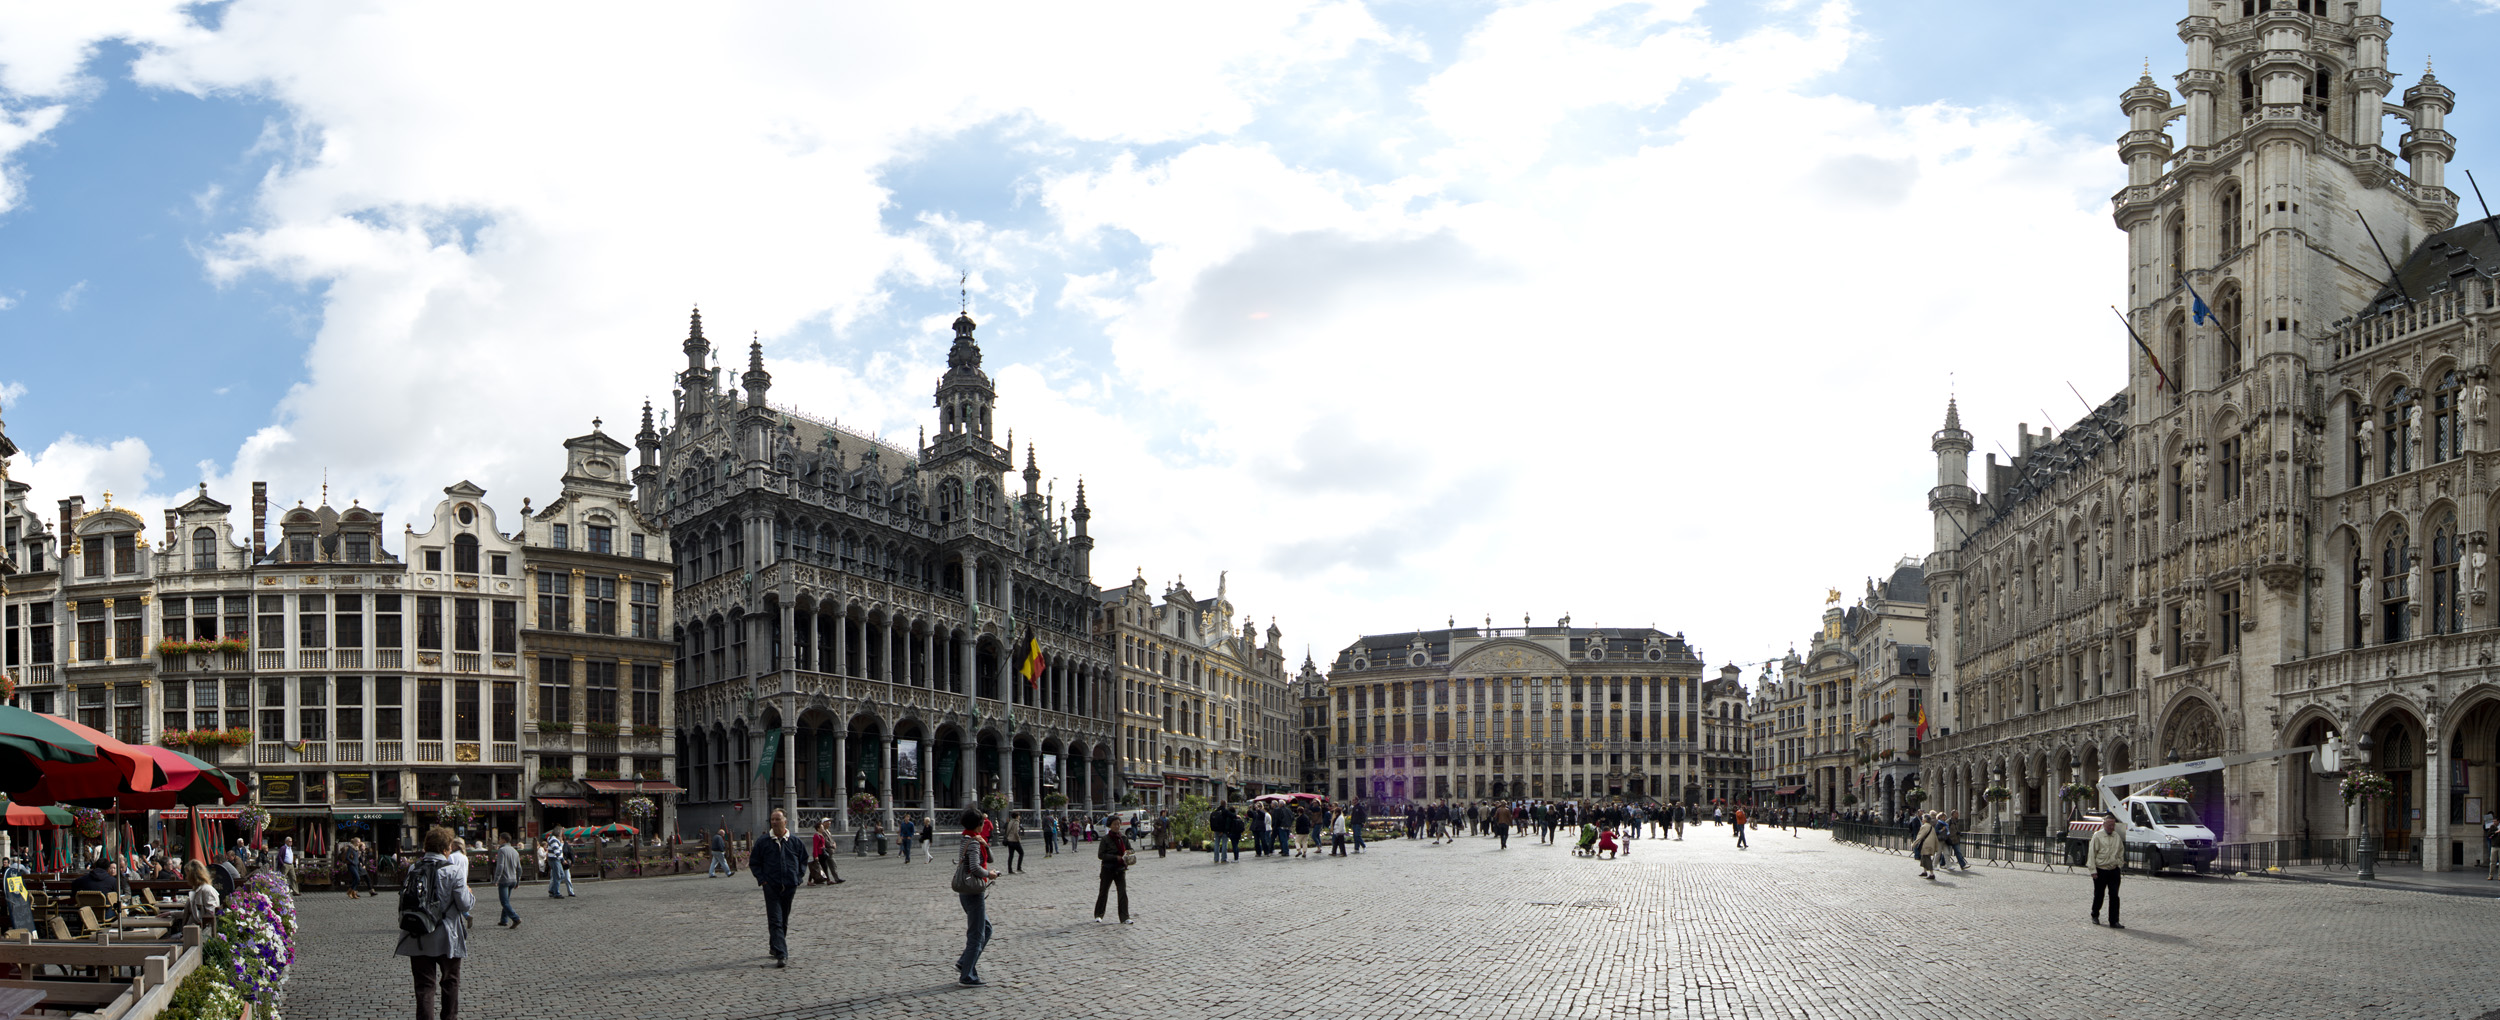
[966, 883]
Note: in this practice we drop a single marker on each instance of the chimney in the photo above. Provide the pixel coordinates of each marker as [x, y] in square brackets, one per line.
[260, 521]
[69, 537]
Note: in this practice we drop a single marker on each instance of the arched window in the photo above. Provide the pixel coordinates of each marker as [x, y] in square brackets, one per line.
[464, 554]
[2447, 607]
[2226, 316]
[2447, 419]
[2174, 248]
[2395, 596]
[204, 549]
[985, 500]
[2175, 355]
[2397, 457]
[950, 500]
[2230, 214]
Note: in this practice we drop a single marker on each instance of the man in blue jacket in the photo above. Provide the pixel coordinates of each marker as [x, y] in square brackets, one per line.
[779, 862]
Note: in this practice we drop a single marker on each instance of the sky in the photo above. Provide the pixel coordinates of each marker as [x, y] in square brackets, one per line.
[1391, 314]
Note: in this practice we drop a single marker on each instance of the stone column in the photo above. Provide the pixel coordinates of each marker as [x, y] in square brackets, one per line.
[842, 643]
[790, 767]
[2434, 796]
[885, 775]
[842, 774]
[786, 653]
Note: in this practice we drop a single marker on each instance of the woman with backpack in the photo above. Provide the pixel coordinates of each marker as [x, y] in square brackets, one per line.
[972, 886]
[434, 905]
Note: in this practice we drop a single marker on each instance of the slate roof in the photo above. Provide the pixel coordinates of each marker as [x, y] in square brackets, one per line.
[2469, 251]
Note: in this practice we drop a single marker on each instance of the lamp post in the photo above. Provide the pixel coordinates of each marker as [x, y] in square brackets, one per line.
[2366, 848]
[458, 828]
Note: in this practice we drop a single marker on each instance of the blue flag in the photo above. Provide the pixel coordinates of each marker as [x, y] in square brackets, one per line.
[2202, 312]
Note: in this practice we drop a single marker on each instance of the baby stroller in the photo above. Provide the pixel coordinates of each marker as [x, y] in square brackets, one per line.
[1587, 846]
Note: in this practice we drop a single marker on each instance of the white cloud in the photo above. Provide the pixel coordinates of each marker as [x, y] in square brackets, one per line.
[68, 301]
[10, 391]
[74, 465]
[1680, 375]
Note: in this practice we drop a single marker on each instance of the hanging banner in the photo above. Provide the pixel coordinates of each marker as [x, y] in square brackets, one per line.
[772, 753]
[906, 761]
[946, 767]
[1050, 770]
[826, 762]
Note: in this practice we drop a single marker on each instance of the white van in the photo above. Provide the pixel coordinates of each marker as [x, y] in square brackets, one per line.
[2164, 831]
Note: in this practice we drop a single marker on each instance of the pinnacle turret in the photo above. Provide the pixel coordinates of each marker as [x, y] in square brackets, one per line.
[758, 381]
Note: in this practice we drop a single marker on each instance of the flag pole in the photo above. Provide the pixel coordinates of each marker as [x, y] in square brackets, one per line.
[2392, 275]
[2148, 351]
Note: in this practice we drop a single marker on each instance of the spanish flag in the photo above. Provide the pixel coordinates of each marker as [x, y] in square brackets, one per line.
[1029, 660]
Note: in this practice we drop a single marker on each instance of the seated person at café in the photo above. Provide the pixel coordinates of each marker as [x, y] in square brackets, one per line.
[102, 876]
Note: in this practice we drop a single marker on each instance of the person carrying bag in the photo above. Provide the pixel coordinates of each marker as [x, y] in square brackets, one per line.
[1116, 859]
[972, 886]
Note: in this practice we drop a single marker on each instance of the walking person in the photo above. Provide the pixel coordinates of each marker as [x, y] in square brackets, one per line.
[507, 877]
[972, 888]
[1739, 820]
[436, 891]
[352, 863]
[559, 874]
[2107, 856]
[910, 828]
[1501, 824]
[1360, 816]
[1113, 852]
[720, 855]
[779, 861]
[1163, 833]
[1011, 836]
[1927, 845]
[1951, 834]
[1302, 833]
[1050, 838]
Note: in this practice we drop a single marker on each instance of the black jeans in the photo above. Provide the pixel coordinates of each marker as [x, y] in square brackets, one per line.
[777, 916]
[1015, 855]
[1502, 831]
[435, 973]
[1102, 897]
[2106, 880]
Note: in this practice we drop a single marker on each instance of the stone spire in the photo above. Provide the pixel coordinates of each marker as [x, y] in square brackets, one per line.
[758, 381]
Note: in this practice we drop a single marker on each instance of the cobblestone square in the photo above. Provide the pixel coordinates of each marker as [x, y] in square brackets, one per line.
[1799, 926]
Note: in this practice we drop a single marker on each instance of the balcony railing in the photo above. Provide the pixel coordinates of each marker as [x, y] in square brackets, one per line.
[429, 750]
[387, 658]
[350, 658]
[272, 753]
[314, 752]
[465, 662]
[312, 658]
[272, 661]
[350, 753]
[385, 751]
[507, 754]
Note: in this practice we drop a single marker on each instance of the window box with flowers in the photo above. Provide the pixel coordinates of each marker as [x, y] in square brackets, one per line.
[555, 773]
[600, 774]
[600, 729]
[646, 729]
[552, 727]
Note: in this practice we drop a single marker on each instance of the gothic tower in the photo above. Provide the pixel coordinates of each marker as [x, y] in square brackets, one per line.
[1953, 504]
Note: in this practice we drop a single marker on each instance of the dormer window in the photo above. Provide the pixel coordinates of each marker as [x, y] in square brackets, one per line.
[433, 559]
[204, 549]
[359, 549]
[602, 540]
[299, 548]
[125, 554]
[559, 536]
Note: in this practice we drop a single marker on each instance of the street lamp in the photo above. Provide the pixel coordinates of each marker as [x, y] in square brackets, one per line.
[2366, 848]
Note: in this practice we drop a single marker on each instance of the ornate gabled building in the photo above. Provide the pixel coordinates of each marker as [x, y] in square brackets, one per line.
[32, 635]
[850, 613]
[598, 644]
[1556, 712]
[1204, 708]
[2276, 532]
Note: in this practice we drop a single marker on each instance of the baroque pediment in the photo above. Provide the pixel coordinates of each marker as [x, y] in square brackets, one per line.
[1508, 656]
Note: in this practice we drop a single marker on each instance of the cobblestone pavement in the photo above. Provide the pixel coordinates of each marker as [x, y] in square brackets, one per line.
[1798, 927]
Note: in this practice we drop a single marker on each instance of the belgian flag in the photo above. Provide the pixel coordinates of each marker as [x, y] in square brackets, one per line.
[1029, 659]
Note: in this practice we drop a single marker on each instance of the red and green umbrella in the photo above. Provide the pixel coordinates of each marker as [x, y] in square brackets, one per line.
[110, 767]
[48, 817]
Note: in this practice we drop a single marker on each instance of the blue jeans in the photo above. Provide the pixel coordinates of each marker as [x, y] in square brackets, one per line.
[504, 889]
[1357, 830]
[720, 865]
[777, 917]
[1956, 847]
[907, 849]
[559, 875]
[976, 932]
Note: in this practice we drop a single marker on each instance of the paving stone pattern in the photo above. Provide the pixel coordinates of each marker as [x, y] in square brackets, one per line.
[1799, 927]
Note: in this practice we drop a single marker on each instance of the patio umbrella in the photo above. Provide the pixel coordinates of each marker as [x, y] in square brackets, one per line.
[37, 817]
[29, 741]
[187, 780]
[619, 829]
[114, 767]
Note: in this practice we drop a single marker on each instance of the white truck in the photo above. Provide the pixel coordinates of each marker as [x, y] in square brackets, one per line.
[2165, 831]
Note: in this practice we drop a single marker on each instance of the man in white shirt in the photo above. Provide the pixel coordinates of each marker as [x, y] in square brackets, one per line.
[286, 862]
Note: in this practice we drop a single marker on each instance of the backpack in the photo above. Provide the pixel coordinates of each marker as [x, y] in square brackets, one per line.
[419, 914]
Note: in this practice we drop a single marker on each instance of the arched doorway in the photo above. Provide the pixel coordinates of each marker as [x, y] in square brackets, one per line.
[2396, 749]
[2317, 809]
[2195, 731]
